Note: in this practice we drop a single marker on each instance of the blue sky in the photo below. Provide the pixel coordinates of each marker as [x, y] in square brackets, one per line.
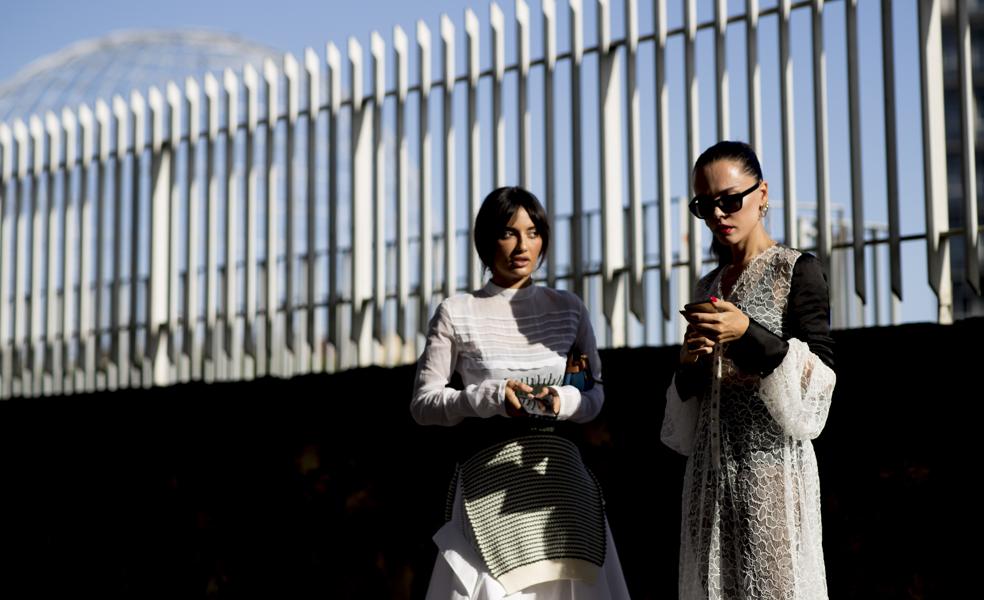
[32, 29]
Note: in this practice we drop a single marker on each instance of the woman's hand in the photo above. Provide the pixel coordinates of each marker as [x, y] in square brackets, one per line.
[514, 408]
[549, 398]
[695, 345]
[726, 325]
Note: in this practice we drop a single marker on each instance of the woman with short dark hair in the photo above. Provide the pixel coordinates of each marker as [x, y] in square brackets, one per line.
[526, 518]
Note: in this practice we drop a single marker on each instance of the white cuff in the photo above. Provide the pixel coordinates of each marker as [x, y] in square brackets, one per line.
[487, 399]
[570, 401]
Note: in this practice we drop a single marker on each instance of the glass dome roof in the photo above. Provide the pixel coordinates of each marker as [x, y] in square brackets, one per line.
[120, 62]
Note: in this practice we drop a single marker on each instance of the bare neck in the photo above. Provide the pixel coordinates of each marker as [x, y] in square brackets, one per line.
[746, 250]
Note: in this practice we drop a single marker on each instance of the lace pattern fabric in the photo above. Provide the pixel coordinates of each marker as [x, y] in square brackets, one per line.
[751, 502]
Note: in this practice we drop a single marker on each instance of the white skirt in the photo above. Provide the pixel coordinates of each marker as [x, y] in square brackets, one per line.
[460, 573]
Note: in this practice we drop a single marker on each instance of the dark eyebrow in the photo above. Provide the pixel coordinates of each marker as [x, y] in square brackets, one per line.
[725, 192]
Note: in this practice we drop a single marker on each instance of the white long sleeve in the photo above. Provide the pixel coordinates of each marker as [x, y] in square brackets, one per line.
[436, 404]
[495, 334]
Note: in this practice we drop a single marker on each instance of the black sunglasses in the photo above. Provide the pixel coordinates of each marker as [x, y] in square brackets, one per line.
[703, 206]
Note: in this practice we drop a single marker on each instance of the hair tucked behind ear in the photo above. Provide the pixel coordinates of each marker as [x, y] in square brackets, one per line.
[495, 213]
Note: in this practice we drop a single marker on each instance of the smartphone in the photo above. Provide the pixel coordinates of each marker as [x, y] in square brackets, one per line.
[533, 406]
[704, 306]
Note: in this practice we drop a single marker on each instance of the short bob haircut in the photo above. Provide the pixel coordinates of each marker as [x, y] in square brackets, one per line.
[497, 210]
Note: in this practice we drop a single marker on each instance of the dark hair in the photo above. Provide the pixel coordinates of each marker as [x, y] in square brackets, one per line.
[495, 213]
[738, 152]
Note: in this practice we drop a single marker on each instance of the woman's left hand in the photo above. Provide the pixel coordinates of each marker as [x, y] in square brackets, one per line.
[726, 325]
[549, 398]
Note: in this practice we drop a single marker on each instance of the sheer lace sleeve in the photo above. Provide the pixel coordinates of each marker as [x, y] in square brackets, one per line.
[797, 389]
[798, 392]
[680, 414]
[807, 318]
[679, 421]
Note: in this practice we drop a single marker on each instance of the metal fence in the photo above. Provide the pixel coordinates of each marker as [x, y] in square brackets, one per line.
[273, 223]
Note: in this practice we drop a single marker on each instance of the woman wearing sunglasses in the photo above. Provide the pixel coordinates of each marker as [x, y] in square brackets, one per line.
[752, 389]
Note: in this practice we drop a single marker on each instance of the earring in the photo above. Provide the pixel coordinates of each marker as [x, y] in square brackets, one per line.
[764, 209]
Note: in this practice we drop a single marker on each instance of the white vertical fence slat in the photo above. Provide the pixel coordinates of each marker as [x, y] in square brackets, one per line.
[50, 170]
[35, 350]
[401, 48]
[7, 218]
[934, 157]
[447, 159]
[425, 236]
[610, 178]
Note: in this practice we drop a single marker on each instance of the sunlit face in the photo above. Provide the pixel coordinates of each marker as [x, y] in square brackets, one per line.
[729, 177]
[517, 251]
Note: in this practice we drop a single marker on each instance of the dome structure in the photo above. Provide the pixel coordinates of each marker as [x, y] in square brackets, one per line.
[97, 69]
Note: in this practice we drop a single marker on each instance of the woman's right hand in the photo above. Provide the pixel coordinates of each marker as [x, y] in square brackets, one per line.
[514, 408]
[695, 345]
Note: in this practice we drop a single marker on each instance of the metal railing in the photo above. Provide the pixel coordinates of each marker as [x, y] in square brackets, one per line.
[119, 222]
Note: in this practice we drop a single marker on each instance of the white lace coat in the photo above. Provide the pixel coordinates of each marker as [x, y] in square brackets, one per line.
[751, 496]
